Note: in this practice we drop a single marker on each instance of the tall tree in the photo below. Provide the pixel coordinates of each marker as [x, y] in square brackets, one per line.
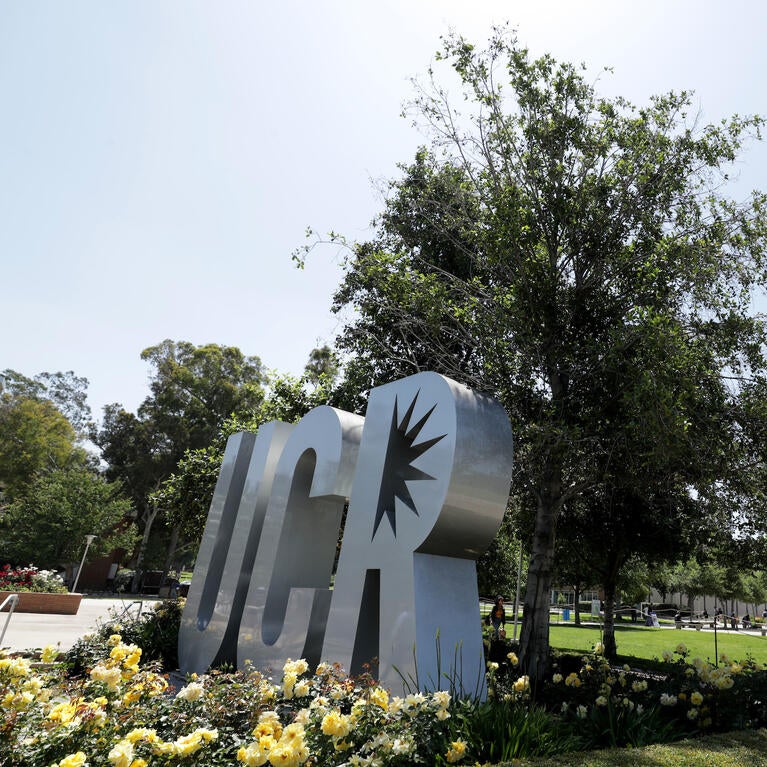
[194, 389]
[187, 493]
[580, 228]
[67, 391]
[140, 456]
[34, 437]
[49, 524]
[667, 416]
[322, 365]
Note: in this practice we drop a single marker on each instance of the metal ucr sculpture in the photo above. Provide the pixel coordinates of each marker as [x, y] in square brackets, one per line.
[426, 474]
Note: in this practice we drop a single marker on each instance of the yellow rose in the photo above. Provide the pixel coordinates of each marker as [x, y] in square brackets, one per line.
[134, 694]
[336, 724]
[186, 744]
[111, 677]
[292, 733]
[522, 684]
[252, 755]
[193, 691]
[380, 697]
[456, 751]
[48, 655]
[155, 684]
[441, 698]
[573, 680]
[65, 712]
[122, 754]
[73, 760]
[19, 701]
[302, 689]
[283, 756]
[15, 666]
[142, 733]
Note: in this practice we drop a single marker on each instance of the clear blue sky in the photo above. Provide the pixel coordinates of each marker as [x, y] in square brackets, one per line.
[159, 161]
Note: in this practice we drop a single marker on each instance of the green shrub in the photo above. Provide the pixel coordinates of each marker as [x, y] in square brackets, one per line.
[500, 731]
[155, 631]
[615, 724]
[123, 580]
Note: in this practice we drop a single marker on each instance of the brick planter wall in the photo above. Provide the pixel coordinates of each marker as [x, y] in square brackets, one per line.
[33, 602]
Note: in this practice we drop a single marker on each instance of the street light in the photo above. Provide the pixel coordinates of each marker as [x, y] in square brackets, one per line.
[88, 542]
[516, 598]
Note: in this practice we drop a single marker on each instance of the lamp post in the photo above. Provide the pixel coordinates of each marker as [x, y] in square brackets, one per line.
[516, 597]
[88, 542]
[716, 646]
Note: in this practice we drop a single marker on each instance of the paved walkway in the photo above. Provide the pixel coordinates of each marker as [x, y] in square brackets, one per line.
[32, 630]
[28, 631]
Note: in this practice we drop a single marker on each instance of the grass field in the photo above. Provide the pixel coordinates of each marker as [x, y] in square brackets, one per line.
[648, 643]
[727, 750]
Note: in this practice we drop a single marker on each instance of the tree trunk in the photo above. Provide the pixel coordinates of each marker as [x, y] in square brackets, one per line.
[613, 562]
[608, 635]
[577, 605]
[534, 638]
[149, 520]
[171, 555]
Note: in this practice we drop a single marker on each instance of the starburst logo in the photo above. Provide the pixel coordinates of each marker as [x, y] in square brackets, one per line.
[398, 470]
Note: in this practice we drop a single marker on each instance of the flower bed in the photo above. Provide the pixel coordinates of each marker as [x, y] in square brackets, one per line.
[114, 711]
[40, 591]
[123, 715]
[38, 602]
[18, 579]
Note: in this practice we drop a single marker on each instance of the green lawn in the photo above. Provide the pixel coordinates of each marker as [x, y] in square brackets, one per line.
[733, 749]
[648, 643]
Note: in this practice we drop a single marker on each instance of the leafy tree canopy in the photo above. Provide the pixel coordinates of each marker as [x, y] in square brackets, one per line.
[67, 391]
[48, 525]
[187, 493]
[194, 389]
[576, 256]
[34, 438]
[323, 365]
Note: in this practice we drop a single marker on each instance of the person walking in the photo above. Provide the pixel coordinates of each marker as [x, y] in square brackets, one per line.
[498, 618]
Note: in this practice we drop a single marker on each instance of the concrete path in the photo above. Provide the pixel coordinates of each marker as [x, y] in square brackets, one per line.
[32, 630]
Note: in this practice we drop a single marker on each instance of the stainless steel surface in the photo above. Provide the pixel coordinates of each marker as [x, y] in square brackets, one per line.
[429, 494]
[211, 619]
[427, 481]
[287, 604]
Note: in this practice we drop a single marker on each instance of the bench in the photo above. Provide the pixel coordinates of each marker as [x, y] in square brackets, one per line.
[697, 625]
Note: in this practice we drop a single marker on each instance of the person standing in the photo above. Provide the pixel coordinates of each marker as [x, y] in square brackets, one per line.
[498, 618]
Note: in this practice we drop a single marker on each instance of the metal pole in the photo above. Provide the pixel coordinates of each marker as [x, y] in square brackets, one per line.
[716, 646]
[12, 600]
[516, 598]
[88, 542]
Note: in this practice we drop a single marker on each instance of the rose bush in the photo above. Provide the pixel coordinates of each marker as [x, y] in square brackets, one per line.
[121, 711]
[30, 578]
[604, 705]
